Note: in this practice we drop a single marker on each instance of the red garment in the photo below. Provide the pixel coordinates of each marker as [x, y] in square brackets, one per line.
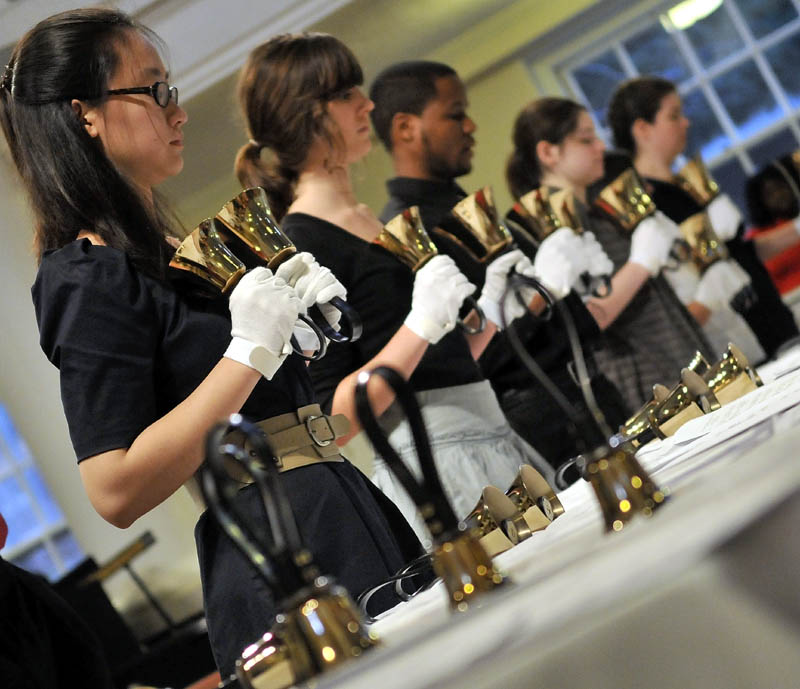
[784, 268]
[3, 531]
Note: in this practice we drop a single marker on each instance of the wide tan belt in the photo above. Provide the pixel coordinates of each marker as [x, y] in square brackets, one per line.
[298, 438]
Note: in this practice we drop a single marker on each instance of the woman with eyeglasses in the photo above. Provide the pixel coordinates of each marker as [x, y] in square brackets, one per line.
[308, 121]
[647, 121]
[145, 368]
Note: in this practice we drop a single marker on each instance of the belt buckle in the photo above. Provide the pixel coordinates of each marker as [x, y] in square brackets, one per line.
[324, 442]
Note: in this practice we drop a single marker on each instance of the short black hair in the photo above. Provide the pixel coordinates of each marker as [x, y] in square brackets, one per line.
[404, 87]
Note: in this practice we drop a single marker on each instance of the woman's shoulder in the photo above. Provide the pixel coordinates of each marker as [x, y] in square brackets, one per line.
[81, 267]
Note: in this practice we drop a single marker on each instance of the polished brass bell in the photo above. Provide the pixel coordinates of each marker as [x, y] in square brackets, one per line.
[566, 210]
[626, 200]
[249, 218]
[699, 364]
[478, 215]
[534, 498]
[407, 239]
[637, 428]
[203, 253]
[536, 209]
[486, 520]
[320, 630]
[622, 486]
[689, 399]
[706, 248]
[731, 377]
[466, 570]
[695, 178]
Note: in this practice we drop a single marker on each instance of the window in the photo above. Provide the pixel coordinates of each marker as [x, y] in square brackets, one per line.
[735, 63]
[38, 537]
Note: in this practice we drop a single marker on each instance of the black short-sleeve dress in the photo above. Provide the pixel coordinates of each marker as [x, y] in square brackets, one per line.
[130, 348]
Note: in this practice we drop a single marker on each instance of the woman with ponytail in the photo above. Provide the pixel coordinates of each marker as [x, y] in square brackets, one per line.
[302, 103]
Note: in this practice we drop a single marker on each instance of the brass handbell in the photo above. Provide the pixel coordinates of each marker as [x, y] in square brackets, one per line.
[202, 253]
[731, 377]
[319, 630]
[637, 428]
[690, 398]
[458, 557]
[535, 500]
[706, 247]
[622, 486]
[479, 217]
[626, 200]
[406, 237]
[249, 218]
[536, 209]
[696, 180]
[487, 519]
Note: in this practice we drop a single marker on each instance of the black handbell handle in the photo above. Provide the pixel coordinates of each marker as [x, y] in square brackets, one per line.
[350, 326]
[323, 341]
[516, 281]
[277, 536]
[428, 494]
[597, 285]
[469, 330]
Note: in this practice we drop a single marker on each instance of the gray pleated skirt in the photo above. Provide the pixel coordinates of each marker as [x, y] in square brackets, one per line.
[473, 446]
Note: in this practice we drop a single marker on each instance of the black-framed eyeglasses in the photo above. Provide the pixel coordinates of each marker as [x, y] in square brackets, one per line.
[161, 92]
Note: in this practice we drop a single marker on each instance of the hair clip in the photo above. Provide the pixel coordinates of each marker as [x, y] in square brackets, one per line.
[8, 75]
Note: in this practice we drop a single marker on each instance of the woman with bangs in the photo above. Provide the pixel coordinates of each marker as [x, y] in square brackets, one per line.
[308, 121]
[146, 368]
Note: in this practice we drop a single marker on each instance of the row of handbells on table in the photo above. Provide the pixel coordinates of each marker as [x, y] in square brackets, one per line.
[319, 626]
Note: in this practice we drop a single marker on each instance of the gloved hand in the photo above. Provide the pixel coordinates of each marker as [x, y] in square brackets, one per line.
[651, 242]
[263, 313]
[314, 284]
[560, 260]
[495, 284]
[439, 290]
[724, 216]
[597, 260]
[720, 283]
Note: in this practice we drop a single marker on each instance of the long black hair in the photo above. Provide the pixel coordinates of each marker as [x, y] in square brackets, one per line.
[73, 185]
[634, 99]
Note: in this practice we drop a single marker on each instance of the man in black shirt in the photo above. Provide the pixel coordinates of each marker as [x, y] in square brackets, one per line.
[421, 117]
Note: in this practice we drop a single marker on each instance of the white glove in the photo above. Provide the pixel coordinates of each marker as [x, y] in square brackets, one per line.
[560, 260]
[724, 216]
[263, 312]
[720, 283]
[495, 283]
[439, 290]
[651, 242]
[314, 284]
[597, 260]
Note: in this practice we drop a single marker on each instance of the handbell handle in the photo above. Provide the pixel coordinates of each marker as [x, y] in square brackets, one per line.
[428, 494]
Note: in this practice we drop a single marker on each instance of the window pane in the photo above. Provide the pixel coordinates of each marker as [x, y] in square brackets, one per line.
[714, 37]
[12, 440]
[773, 147]
[784, 59]
[23, 524]
[598, 79]
[764, 16]
[705, 134]
[68, 549]
[654, 52]
[731, 178]
[38, 561]
[747, 98]
[42, 497]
